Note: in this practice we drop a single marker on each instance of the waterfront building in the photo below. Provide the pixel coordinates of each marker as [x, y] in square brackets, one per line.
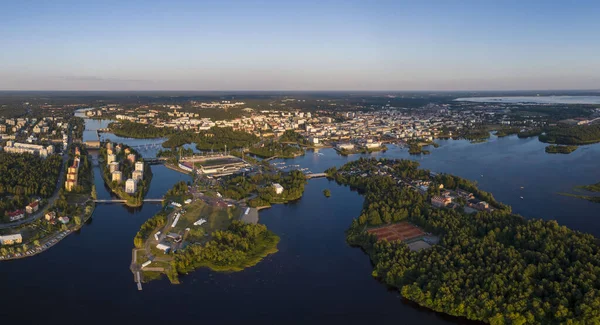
[110, 158]
[137, 175]
[139, 165]
[11, 239]
[345, 146]
[278, 188]
[113, 166]
[116, 176]
[130, 157]
[130, 186]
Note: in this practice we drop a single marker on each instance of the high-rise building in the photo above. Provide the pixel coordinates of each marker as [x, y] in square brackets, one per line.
[130, 186]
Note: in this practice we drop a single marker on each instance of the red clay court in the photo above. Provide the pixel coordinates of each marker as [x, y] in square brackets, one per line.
[399, 231]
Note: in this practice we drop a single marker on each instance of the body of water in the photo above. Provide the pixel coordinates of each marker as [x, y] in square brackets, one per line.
[315, 277]
[535, 99]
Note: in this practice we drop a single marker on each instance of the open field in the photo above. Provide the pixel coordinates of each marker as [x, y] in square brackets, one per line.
[218, 216]
[399, 231]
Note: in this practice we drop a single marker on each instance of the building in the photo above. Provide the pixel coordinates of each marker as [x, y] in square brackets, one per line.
[15, 215]
[32, 207]
[113, 166]
[345, 146]
[163, 247]
[11, 239]
[139, 165]
[137, 175]
[314, 140]
[111, 158]
[72, 172]
[372, 145]
[34, 149]
[278, 188]
[116, 176]
[50, 216]
[440, 202]
[131, 157]
[130, 186]
[63, 220]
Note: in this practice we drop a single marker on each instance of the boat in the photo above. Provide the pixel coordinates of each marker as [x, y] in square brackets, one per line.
[521, 197]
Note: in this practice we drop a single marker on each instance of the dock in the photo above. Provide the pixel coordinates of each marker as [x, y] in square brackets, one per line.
[138, 280]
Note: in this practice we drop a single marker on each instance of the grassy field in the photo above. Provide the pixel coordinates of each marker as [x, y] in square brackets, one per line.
[218, 218]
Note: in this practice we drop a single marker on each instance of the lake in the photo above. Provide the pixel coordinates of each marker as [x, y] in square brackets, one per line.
[314, 278]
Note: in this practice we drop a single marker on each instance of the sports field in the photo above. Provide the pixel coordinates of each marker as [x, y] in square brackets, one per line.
[399, 231]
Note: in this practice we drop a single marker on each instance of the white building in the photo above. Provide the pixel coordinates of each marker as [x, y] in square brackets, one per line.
[117, 176]
[278, 188]
[345, 146]
[137, 175]
[139, 165]
[113, 166]
[16, 147]
[130, 186]
[110, 158]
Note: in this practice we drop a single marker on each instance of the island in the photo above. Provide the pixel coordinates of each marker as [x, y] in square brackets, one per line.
[327, 192]
[125, 173]
[194, 230]
[560, 149]
[572, 135]
[450, 247]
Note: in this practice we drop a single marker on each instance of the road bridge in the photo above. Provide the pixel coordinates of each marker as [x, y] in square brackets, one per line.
[123, 201]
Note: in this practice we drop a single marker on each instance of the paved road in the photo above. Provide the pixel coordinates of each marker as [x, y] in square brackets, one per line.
[40, 213]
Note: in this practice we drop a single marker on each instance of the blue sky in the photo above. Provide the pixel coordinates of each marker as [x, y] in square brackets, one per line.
[299, 45]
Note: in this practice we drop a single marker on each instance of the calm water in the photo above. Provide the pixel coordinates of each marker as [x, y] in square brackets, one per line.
[535, 99]
[314, 278]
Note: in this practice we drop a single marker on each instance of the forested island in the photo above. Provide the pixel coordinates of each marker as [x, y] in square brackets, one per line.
[259, 188]
[560, 149]
[270, 149]
[138, 130]
[125, 158]
[489, 265]
[206, 235]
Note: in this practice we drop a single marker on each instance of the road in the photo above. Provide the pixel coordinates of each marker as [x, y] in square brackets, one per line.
[41, 212]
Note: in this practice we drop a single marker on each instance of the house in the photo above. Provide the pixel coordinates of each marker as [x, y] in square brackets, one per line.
[63, 220]
[50, 216]
[278, 188]
[32, 207]
[440, 202]
[465, 194]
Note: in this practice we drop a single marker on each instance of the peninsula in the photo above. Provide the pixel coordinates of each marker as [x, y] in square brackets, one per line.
[451, 247]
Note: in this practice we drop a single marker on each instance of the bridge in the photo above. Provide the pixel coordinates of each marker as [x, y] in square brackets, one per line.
[315, 175]
[123, 201]
[155, 161]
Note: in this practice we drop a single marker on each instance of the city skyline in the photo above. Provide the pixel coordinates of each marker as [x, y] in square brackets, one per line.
[329, 45]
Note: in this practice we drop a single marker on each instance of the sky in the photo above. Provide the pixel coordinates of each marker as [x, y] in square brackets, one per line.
[299, 45]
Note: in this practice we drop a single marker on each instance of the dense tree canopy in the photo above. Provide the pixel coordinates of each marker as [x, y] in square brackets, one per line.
[574, 135]
[494, 267]
[138, 130]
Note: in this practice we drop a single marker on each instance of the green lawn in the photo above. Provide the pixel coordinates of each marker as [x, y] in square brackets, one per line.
[218, 218]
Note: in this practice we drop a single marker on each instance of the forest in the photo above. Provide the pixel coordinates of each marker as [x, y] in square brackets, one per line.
[240, 187]
[138, 130]
[273, 148]
[495, 267]
[572, 135]
[560, 149]
[289, 136]
[240, 246]
[23, 176]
